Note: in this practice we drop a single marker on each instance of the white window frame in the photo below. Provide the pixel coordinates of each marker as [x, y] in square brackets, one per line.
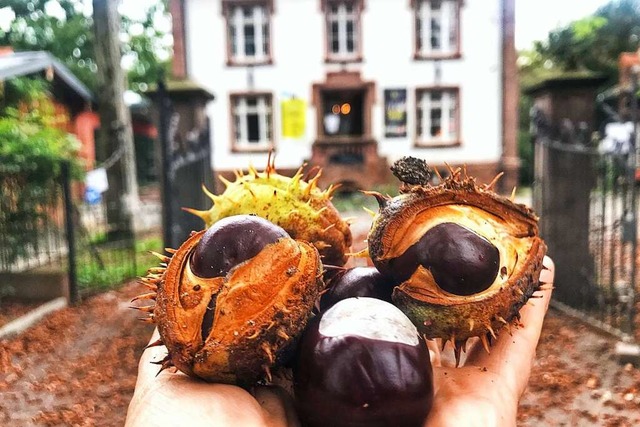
[447, 16]
[342, 17]
[449, 104]
[240, 110]
[260, 20]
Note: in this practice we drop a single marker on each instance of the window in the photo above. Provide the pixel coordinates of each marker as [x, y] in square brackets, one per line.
[343, 30]
[437, 28]
[437, 117]
[248, 32]
[252, 122]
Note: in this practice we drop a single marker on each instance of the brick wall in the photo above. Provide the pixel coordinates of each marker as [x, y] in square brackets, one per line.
[369, 177]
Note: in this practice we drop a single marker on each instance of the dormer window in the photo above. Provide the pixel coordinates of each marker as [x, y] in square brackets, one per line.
[437, 29]
[343, 30]
[248, 32]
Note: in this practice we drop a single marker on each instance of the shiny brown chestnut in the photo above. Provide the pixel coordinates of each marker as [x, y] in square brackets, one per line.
[356, 282]
[362, 363]
[462, 262]
[230, 241]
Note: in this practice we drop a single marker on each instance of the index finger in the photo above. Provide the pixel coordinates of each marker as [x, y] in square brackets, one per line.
[512, 355]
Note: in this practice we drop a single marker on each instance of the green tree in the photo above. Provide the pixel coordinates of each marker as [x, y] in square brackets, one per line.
[589, 45]
[594, 43]
[147, 46]
[65, 29]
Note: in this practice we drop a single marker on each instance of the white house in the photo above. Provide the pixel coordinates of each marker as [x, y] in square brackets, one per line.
[352, 85]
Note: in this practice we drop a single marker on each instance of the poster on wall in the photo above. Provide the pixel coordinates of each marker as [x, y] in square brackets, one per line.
[395, 113]
[294, 113]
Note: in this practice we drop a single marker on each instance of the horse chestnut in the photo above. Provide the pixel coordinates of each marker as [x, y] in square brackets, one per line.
[357, 282]
[233, 299]
[465, 258]
[231, 241]
[462, 262]
[362, 363]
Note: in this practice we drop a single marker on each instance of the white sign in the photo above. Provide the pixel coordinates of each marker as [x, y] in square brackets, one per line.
[97, 180]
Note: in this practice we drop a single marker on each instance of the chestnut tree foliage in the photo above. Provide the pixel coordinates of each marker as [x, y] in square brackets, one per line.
[591, 44]
[65, 29]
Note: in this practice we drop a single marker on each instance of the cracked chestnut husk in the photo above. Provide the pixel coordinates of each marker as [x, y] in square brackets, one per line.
[233, 298]
[465, 259]
[363, 363]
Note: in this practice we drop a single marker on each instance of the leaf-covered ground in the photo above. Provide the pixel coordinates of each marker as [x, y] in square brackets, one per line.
[576, 380]
[78, 367]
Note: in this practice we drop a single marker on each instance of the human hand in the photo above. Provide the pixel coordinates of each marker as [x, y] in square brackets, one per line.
[483, 392]
[175, 399]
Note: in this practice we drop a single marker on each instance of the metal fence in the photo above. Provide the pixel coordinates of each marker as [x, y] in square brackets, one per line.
[31, 232]
[587, 202]
[105, 251]
[64, 232]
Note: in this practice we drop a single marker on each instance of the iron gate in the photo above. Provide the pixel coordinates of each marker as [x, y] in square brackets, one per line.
[186, 166]
[587, 202]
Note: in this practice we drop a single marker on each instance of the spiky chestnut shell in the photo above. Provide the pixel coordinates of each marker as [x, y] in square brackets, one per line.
[300, 207]
[260, 307]
[457, 296]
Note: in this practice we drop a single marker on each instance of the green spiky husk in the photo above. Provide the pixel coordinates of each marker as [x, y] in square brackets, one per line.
[300, 207]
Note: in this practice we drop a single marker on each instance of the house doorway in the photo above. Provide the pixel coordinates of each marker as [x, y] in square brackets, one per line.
[344, 147]
[343, 112]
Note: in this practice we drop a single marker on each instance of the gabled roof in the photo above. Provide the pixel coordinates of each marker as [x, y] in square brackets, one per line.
[573, 79]
[23, 63]
[185, 87]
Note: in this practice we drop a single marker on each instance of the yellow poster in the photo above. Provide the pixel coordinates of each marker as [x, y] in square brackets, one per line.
[294, 115]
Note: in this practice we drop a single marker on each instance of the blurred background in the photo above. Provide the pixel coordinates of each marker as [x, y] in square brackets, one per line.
[114, 114]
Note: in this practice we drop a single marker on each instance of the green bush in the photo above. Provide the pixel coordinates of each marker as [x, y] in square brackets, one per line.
[32, 149]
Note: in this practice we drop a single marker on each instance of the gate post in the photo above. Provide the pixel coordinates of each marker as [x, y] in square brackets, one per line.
[565, 178]
[185, 156]
[564, 175]
[164, 114]
[69, 227]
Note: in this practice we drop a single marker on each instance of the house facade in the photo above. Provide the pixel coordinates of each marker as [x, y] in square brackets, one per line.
[353, 85]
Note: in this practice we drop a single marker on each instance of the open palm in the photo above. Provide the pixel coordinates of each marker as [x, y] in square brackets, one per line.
[483, 392]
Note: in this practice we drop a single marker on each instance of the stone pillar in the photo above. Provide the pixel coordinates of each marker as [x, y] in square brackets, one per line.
[563, 119]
